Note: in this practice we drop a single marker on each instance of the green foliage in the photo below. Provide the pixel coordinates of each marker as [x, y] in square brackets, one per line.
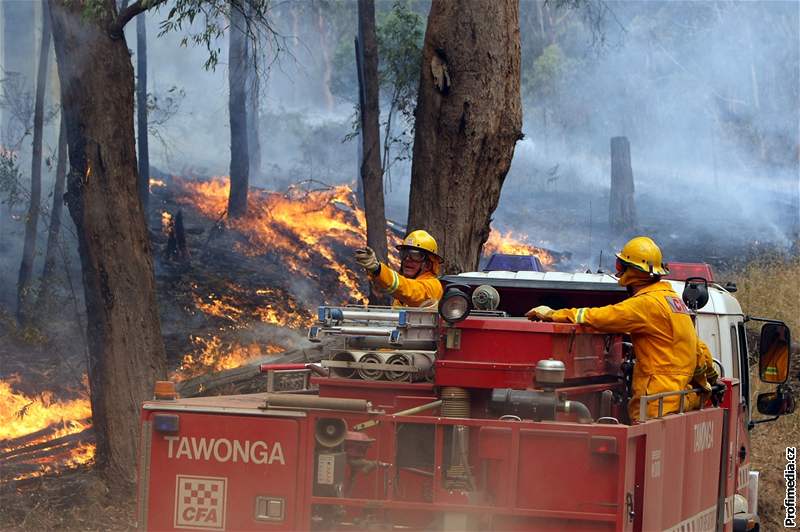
[546, 74]
[400, 39]
[94, 10]
[29, 335]
[215, 15]
[400, 33]
[10, 190]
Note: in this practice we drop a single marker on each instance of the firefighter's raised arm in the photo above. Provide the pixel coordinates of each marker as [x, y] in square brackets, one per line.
[417, 282]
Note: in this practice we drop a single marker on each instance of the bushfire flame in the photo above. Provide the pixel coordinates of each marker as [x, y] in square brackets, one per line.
[166, 222]
[28, 423]
[508, 243]
[213, 354]
[299, 226]
[307, 231]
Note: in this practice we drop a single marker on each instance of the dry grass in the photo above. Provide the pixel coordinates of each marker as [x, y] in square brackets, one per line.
[770, 288]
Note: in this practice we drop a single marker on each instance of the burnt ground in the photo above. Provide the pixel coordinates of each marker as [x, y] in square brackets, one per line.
[74, 500]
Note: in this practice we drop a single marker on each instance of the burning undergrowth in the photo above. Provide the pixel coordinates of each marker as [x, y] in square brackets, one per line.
[41, 433]
[230, 292]
[247, 288]
[291, 252]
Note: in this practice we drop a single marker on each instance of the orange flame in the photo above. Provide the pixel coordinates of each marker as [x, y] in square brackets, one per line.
[508, 243]
[212, 354]
[22, 415]
[166, 222]
[301, 227]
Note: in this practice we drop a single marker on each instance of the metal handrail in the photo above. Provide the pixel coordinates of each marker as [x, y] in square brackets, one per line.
[645, 399]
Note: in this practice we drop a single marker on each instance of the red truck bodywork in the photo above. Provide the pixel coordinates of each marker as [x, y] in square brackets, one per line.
[232, 463]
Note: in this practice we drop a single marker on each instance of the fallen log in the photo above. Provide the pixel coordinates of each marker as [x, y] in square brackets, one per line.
[247, 378]
[32, 451]
[14, 443]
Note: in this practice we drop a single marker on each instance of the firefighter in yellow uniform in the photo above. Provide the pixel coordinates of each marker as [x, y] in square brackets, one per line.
[417, 284]
[668, 352]
[775, 362]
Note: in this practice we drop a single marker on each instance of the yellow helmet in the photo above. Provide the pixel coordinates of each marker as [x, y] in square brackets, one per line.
[644, 255]
[421, 240]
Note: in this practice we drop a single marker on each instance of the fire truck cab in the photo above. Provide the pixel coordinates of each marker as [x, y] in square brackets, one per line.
[469, 417]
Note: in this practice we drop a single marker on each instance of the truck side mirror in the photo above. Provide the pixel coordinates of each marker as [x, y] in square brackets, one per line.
[773, 350]
[776, 403]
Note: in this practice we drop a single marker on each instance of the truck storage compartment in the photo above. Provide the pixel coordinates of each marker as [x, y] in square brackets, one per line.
[214, 470]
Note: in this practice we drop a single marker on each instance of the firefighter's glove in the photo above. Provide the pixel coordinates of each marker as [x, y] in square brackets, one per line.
[711, 374]
[367, 259]
[541, 313]
[717, 393]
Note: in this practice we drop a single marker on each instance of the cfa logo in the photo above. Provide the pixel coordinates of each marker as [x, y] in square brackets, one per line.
[703, 436]
[200, 502]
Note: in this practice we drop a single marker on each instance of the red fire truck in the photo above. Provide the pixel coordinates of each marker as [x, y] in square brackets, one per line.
[467, 417]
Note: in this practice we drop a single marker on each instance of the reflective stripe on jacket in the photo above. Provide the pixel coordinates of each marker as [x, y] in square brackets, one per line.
[425, 289]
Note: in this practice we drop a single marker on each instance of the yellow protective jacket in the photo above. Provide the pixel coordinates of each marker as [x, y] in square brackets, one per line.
[664, 340]
[423, 291]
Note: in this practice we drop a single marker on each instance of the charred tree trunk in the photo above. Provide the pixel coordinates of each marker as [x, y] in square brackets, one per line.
[237, 108]
[622, 211]
[141, 112]
[32, 220]
[126, 351]
[468, 119]
[55, 219]
[371, 171]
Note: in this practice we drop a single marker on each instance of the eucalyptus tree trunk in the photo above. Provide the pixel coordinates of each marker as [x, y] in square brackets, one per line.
[126, 351]
[468, 119]
[45, 285]
[32, 219]
[371, 171]
[237, 108]
[141, 111]
[253, 110]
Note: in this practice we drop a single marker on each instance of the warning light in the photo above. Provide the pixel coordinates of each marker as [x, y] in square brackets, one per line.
[165, 391]
[680, 271]
[168, 423]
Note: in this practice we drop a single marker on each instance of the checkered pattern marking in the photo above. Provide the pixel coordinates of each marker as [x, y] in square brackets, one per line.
[200, 502]
[201, 494]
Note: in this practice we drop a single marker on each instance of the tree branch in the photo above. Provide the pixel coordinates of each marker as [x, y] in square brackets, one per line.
[125, 16]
